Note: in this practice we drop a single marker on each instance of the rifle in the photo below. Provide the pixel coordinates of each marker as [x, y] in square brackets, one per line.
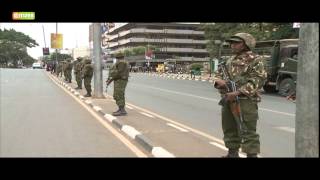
[109, 81]
[235, 106]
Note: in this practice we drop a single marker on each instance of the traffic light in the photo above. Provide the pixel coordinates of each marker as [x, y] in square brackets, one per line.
[45, 51]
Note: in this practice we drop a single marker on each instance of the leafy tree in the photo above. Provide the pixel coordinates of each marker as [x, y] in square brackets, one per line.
[196, 66]
[13, 47]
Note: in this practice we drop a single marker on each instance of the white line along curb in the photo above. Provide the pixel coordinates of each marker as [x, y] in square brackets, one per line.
[81, 97]
[129, 107]
[88, 101]
[97, 108]
[131, 131]
[76, 93]
[109, 117]
[146, 114]
[160, 152]
[177, 127]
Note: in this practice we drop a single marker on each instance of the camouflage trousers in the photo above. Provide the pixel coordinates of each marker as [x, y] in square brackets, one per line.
[69, 76]
[87, 84]
[65, 74]
[78, 79]
[59, 73]
[249, 143]
[119, 90]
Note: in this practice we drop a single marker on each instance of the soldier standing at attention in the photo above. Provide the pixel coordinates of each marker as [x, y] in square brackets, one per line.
[77, 72]
[59, 69]
[246, 69]
[87, 76]
[69, 70]
[119, 73]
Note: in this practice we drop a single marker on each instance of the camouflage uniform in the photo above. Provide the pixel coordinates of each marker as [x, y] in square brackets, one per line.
[68, 70]
[87, 73]
[119, 73]
[77, 72]
[64, 70]
[246, 69]
[59, 69]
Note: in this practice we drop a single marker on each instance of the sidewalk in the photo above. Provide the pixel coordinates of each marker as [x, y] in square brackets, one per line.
[160, 136]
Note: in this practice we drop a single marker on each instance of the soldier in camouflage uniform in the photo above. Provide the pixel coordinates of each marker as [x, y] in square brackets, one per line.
[246, 69]
[68, 70]
[119, 73]
[64, 69]
[87, 73]
[59, 69]
[77, 72]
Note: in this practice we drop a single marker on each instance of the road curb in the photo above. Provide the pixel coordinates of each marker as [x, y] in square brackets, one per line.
[130, 131]
[169, 76]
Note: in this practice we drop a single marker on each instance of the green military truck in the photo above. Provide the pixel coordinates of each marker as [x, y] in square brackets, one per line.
[281, 64]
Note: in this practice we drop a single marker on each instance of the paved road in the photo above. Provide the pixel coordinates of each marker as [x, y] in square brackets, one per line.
[39, 119]
[194, 103]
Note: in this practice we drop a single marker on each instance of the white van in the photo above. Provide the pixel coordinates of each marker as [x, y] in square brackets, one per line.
[36, 65]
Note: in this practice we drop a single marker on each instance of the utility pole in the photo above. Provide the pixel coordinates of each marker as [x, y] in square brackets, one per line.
[97, 61]
[307, 95]
[56, 48]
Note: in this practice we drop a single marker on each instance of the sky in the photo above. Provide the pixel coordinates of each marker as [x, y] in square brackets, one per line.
[74, 34]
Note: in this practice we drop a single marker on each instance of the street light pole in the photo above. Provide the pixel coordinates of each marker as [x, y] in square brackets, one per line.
[56, 47]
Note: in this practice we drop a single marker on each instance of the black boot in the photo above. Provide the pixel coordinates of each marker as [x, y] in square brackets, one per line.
[87, 95]
[123, 111]
[120, 112]
[254, 155]
[232, 153]
[116, 112]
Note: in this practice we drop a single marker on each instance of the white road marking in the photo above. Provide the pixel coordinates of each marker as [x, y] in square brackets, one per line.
[129, 107]
[177, 127]
[203, 80]
[160, 152]
[131, 131]
[285, 128]
[219, 146]
[279, 112]
[147, 114]
[208, 99]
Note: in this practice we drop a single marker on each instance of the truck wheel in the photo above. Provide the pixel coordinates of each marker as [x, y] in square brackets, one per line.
[286, 87]
[269, 89]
